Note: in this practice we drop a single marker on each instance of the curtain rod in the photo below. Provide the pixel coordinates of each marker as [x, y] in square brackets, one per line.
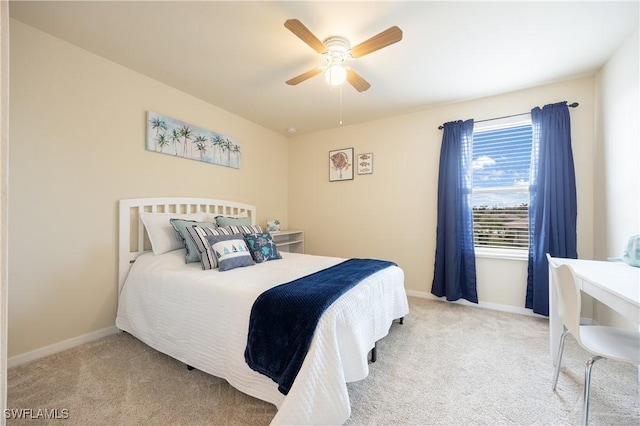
[573, 105]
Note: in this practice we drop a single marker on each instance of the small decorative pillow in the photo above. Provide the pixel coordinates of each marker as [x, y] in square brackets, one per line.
[181, 226]
[233, 221]
[231, 251]
[199, 236]
[162, 237]
[262, 247]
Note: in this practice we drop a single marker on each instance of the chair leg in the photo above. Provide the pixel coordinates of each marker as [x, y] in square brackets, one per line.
[587, 388]
[559, 358]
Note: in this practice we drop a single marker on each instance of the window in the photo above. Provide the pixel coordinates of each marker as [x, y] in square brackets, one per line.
[500, 198]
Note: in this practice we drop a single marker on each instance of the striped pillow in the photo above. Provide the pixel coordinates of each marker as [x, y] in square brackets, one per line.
[243, 229]
[199, 236]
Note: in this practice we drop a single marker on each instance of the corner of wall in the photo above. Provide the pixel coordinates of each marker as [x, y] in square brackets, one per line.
[4, 142]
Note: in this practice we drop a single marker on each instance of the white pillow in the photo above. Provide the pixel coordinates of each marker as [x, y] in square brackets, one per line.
[162, 236]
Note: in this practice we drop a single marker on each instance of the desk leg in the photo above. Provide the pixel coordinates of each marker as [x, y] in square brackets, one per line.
[555, 323]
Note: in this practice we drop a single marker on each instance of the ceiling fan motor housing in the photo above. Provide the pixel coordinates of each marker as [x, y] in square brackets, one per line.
[337, 49]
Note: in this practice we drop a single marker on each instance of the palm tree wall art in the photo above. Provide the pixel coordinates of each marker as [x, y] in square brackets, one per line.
[167, 135]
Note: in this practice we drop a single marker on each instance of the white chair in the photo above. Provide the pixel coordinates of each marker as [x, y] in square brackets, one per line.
[603, 342]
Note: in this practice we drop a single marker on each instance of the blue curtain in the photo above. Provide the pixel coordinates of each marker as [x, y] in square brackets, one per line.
[553, 206]
[455, 265]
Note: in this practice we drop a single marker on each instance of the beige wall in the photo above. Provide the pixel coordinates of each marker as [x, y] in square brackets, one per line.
[77, 134]
[617, 160]
[392, 213]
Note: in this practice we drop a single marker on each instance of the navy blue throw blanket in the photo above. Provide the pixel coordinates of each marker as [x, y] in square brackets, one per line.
[284, 318]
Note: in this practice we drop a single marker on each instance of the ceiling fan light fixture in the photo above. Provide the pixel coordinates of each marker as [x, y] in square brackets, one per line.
[335, 74]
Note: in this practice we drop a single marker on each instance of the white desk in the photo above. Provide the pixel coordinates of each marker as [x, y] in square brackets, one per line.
[615, 284]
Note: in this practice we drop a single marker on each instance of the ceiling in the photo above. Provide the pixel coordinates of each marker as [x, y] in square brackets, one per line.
[238, 55]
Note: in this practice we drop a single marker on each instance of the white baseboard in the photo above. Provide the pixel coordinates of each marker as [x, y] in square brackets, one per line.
[484, 305]
[16, 360]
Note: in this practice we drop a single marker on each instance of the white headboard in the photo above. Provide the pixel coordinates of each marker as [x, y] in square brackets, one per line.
[132, 239]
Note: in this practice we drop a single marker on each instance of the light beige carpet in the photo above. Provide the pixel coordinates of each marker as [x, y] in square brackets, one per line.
[446, 365]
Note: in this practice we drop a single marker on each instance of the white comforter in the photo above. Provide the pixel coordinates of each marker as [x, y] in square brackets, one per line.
[201, 318]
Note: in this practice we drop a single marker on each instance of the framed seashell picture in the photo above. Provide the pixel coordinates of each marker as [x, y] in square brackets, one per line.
[341, 164]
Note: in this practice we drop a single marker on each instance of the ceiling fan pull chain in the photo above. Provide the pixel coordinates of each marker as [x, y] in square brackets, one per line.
[341, 105]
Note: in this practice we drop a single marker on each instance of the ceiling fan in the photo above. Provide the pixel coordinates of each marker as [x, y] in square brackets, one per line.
[336, 50]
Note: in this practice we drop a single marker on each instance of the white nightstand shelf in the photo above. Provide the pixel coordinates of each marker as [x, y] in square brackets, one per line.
[290, 240]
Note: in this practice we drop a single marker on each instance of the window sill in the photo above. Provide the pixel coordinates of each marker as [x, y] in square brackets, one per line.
[496, 253]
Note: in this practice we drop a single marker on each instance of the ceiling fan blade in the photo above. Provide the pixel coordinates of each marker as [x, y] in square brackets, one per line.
[356, 80]
[298, 28]
[387, 37]
[305, 76]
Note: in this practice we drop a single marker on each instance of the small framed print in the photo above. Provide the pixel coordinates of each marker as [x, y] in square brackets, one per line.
[341, 164]
[365, 164]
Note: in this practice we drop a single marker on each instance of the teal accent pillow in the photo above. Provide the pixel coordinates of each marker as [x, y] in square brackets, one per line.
[231, 251]
[181, 226]
[262, 247]
[233, 221]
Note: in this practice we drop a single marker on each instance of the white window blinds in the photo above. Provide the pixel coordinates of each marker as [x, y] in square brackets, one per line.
[500, 199]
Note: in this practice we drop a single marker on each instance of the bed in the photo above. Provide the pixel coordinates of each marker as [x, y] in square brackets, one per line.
[201, 317]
